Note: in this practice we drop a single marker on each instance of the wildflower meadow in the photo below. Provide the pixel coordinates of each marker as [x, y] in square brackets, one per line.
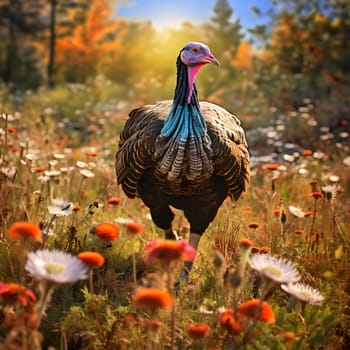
[84, 267]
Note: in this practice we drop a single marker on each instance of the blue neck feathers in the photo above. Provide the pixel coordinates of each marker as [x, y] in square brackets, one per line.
[183, 147]
[185, 118]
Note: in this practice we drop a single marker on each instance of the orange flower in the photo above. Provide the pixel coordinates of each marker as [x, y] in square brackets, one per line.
[91, 259]
[106, 230]
[253, 225]
[113, 201]
[92, 154]
[271, 166]
[38, 169]
[247, 209]
[198, 330]
[306, 152]
[152, 325]
[130, 320]
[12, 293]
[255, 249]
[308, 213]
[298, 231]
[133, 228]
[25, 230]
[277, 212]
[77, 208]
[288, 336]
[153, 298]
[255, 309]
[12, 131]
[231, 322]
[316, 195]
[245, 243]
[264, 249]
[167, 250]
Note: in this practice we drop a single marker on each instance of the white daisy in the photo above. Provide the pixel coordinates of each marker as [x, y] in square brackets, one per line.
[87, 173]
[278, 270]
[52, 173]
[296, 211]
[60, 207]
[346, 161]
[55, 266]
[81, 165]
[59, 155]
[303, 292]
[330, 190]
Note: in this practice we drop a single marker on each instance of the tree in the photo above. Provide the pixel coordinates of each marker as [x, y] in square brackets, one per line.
[224, 36]
[19, 24]
[78, 54]
[225, 33]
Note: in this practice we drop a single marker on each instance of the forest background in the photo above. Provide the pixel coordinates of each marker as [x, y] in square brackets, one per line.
[301, 52]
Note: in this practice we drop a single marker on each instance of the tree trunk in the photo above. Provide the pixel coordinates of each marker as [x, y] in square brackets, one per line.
[51, 63]
[11, 47]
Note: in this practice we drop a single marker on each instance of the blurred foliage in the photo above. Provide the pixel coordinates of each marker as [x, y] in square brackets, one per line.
[300, 53]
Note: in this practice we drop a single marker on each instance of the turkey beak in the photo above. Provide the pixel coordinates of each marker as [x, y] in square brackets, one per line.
[213, 60]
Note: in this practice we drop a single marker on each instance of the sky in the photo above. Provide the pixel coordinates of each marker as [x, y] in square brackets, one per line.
[164, 13]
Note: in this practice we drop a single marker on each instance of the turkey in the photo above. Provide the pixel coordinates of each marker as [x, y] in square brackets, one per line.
[183, 153]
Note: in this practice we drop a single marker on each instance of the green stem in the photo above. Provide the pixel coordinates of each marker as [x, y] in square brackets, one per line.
[134, 267]
[47, 290]
[93, 300]
[311, 235]
[173, 314]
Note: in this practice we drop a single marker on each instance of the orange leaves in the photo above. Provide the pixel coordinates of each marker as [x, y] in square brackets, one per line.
[80, 52]
[244, 56]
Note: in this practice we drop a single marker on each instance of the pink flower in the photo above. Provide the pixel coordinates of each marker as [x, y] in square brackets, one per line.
[167, 250]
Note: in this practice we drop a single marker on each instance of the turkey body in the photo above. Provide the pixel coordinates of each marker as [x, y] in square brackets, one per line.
[138, 173]
[183, 153]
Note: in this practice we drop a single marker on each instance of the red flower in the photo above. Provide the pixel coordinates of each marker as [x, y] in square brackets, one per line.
[231, 322]
[106, 230]
[198, 330]
[25, 230]
[166, 250]
[254, 308]
[91, 259]
[77, 208]
[153, 298]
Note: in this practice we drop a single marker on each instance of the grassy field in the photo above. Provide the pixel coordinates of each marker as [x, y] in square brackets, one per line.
[57, 174]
